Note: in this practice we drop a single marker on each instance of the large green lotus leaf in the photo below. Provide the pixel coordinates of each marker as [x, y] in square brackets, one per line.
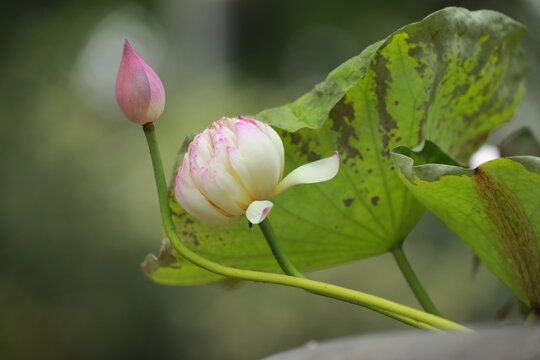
[494, 209]
[449, 78]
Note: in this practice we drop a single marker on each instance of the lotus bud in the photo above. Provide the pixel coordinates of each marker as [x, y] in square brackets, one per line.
[234, 169]
[486, 153]
[139, 91]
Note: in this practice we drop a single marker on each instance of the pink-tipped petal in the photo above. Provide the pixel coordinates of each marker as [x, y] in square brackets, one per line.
[204, 146]
[314, 172]
[139, 91]
[258, 210]
[191, 199]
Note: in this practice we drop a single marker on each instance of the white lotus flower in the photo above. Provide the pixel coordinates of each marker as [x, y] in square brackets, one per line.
[235, 167]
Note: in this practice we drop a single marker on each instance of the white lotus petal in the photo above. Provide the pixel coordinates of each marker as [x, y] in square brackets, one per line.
[221, 133]
[224, 129]
[191, 199]
[203, 146]
[194, 158]
[220, 160]
[228, 123]
[273, 136]
[241, 171]
[486, 153]
[258, 210]
[314, 172]
[278, 144]
[222, 190]
[236, 191]
[261, 158]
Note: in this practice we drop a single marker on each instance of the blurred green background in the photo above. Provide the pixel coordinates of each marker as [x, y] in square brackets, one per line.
[78, 204]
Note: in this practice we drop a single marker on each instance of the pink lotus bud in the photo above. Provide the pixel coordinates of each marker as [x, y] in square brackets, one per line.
[235, 167]
[139, 91]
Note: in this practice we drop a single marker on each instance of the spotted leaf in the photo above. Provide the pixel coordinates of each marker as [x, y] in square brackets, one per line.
[449, 78]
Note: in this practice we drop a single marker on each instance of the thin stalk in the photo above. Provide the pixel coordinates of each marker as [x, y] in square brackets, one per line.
[413, 281]
[288, 268]
[282, 259]
[375, 303]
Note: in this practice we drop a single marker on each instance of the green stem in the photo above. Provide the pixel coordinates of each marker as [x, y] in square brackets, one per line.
[288, 268]
[413, 281]
[282, 259]
[375, 303]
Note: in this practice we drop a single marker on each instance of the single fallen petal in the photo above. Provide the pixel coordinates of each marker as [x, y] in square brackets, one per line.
[258, 210]
[314, 172]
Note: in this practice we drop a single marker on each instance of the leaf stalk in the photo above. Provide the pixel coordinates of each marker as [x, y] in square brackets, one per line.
[412, 280]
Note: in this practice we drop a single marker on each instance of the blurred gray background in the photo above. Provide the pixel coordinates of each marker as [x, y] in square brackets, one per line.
[77, 197]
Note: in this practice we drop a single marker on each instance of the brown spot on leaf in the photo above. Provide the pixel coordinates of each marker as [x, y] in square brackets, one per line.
[180, 215]
[342, 115]
[386, 122]
[439, 47]
[348, 202]
[295, 138]
[419, 53]
[374, 200]
[313, 156]
[193, 237]
[302, 144]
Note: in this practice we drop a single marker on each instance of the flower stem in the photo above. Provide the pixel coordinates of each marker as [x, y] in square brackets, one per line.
[288, 268]
[392, 309]
[413, 281]
[282, 259]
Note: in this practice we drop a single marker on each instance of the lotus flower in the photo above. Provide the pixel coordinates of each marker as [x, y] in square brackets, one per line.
[139, 91]
[235, 168]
